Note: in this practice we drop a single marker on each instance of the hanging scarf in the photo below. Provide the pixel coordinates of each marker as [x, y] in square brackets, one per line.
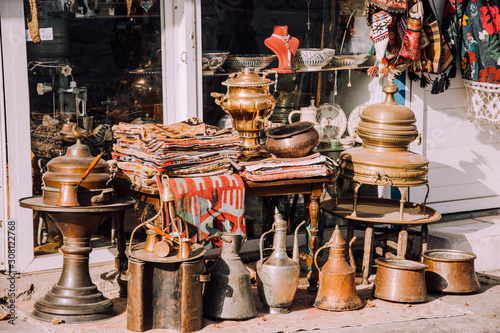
[472, 28]
[380, 37]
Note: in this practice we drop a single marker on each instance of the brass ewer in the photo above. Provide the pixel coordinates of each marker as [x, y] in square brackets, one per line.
[249, 104]
[278, 275]
[337, 285]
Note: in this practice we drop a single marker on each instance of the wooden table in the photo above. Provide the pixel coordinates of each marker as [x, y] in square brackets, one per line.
[371, 211]
[311, 188]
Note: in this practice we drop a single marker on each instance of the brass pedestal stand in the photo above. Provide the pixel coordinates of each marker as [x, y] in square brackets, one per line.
[74, 298]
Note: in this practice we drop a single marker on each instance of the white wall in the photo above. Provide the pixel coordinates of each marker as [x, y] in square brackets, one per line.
[464, 158]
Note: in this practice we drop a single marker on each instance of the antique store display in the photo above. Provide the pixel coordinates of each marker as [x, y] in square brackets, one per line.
[278, 275]
[284, 46]
[400, 280]
[228, 294]
[450, 271]
[337, 285]
[249, 104]
[386, 129]
[77, 199]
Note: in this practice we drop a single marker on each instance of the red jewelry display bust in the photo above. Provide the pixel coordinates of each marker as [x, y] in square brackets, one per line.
[284, 47]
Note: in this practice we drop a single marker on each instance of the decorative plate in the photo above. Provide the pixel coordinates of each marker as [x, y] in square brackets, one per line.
[354, 119]
[333, 116]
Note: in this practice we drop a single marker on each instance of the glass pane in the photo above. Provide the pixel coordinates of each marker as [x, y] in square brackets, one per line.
[94, 66]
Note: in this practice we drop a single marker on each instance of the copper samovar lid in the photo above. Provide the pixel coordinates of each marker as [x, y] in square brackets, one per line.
[247, 78]
[387, 125]
[387, 129]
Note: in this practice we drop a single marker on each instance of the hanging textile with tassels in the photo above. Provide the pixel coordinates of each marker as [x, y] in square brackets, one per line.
[406, 36]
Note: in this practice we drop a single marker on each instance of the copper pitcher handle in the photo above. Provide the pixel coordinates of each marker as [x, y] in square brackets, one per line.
[316, 255]
[261, 242]
[351, 256]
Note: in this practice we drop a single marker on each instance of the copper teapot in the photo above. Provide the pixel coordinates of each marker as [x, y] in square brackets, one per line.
[337, 285]
[77, 174]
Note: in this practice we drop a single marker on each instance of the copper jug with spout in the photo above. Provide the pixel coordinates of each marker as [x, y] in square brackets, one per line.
[228, 294]
[337, 285]
[278, 275]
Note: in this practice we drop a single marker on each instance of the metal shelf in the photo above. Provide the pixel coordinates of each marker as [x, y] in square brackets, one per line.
[268, 71]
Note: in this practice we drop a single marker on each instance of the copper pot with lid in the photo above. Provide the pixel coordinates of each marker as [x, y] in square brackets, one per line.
[65, 172]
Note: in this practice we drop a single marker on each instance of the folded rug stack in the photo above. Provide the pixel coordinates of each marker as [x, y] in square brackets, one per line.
[187, 149]
[314, 165]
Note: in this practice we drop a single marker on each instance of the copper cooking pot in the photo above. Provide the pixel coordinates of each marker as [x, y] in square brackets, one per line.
[450, 271]
[293, 140]
[400, 280]
[66, 171]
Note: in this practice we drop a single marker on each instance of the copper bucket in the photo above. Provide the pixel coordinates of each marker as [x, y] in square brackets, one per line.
[450, 271]
[400, 280]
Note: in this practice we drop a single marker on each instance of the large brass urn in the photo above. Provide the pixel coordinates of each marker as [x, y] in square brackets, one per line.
[249, 103]
[387, 129]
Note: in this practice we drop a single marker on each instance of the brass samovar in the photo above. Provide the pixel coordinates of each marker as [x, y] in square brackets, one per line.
[387, 129]
[249, 104]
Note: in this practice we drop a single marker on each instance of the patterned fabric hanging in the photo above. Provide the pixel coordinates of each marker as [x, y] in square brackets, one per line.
[411, 40]
[472, 28]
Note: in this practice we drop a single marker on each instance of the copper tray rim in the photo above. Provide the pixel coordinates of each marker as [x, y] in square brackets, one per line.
[434, 214]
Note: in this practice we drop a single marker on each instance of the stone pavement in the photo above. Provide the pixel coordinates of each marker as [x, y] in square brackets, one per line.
[477, 312]
[480, 311]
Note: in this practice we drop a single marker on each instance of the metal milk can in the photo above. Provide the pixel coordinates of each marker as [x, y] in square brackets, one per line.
[278, 275]
[337, 285]
[228, 294]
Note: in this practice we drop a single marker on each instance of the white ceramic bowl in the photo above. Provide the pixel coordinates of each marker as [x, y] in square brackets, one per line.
[313, 59]
[213, 60]
[257, 61]
[349, 60]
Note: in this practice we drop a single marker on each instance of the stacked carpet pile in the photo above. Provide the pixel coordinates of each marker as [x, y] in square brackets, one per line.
[186, 149]
[273, 168]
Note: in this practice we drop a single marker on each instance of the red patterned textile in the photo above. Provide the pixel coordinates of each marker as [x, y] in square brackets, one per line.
[210, 204]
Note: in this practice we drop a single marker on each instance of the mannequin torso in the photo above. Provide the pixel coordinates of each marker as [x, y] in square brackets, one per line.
[284, 47]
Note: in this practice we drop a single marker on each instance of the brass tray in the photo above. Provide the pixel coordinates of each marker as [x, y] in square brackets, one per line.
[379, 210]
[137, 251]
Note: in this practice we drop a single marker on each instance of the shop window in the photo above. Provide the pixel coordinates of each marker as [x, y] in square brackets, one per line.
[94, 66]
